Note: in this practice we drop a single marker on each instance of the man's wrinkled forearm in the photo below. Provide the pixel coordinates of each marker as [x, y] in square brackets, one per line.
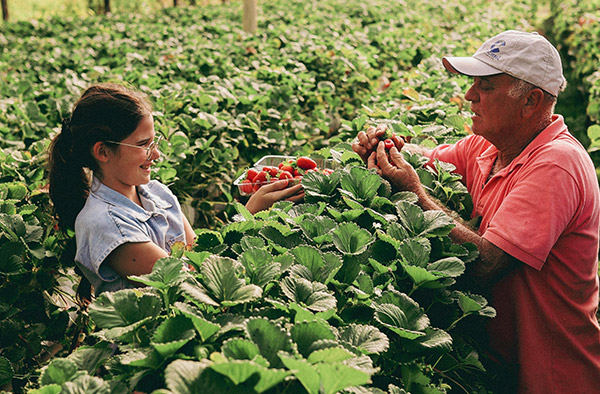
[492, 262]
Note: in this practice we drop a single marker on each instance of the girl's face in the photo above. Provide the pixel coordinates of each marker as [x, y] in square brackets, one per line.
[128, 166]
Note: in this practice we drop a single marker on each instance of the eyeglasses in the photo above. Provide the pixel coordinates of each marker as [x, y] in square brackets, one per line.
[149, 149]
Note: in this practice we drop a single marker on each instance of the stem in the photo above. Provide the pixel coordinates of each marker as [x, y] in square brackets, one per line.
[451, 326]
[453, 380]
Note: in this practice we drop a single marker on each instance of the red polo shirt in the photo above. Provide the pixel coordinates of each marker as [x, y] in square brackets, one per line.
[543, 209]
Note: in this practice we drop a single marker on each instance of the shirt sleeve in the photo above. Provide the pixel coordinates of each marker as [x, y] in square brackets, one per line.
[535, 213]
[101, 234]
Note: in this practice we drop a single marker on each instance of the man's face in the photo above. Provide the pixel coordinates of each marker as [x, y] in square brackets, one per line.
[496, 115]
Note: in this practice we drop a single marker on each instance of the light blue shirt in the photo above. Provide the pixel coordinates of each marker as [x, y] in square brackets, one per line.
[109, 219]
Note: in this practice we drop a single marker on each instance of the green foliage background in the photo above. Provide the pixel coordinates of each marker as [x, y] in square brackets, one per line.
[314, 75]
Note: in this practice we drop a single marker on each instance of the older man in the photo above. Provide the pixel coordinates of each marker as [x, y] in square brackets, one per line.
[536, 190]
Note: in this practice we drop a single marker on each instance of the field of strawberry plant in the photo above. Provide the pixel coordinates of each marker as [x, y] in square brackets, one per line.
[355, 290]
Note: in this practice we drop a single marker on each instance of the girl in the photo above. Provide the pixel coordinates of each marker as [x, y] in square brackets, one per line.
[100, 185]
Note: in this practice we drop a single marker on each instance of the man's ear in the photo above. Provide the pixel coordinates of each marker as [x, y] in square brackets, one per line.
[100, 152]
[533, 102]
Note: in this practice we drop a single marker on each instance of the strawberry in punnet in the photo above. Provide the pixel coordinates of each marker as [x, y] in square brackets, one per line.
[306, 163]
[251, 174]
[246, 186]
[261, 177]
[287, 167]
[285, 175]
[271, 170]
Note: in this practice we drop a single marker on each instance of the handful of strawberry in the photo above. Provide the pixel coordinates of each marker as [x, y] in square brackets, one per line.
[387, 139]
[292, 169]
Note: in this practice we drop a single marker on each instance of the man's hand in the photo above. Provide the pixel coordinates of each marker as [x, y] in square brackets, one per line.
[401, 174]
[269, 194]
[366, 142]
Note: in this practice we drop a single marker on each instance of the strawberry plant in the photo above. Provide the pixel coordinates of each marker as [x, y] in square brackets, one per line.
[325, 296]
[34, 309]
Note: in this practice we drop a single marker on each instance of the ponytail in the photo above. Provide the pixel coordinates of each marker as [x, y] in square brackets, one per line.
[69, 181]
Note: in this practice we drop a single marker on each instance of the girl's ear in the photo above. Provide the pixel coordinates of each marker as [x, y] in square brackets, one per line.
[100, 152]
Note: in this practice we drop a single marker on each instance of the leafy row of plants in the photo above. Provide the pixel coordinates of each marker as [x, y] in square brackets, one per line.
[353, 290]
[235, 97]
[576, 27]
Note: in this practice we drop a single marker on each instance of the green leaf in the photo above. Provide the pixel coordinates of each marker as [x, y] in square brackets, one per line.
[222, 279]
[306, 333]
[424, 223]
[242, 210]
[165, 273]
[89, 358]
[337, 376]
[184, 376]
[593, 133]
[49, 389]
[281, 235]
[304, 372]
[6, 371]
[87, 384]
[322, 266]
[59, 371]
[11, 261]
[207, 239]
[318, 228]
[474, 304]
[319, 187]
[16, 191]
[324, 378]
[124, 308]
[415, 251]
[330, 355]
[349, 238]
[449, 266]
[205, 328]
[366, 338]
[172, 334]
[240, 349]
[420, 275]
[195, 292]
[401, 314]
[360, 184]
[240, 371]
[394, 318]
[270, 339]
[197, 258]
[259, 266]
[314, 295]
[435, 339]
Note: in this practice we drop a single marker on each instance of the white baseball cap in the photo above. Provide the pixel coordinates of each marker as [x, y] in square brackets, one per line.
[526, 56]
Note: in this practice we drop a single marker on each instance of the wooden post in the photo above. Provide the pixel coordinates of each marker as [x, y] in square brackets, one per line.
[250, 16]
[106, 7]
[174, 3]
[4, 10]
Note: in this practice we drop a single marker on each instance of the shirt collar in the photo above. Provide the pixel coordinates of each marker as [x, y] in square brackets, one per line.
[487, 158]
[151, 202]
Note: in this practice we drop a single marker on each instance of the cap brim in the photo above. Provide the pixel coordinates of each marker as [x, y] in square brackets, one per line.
[468, 66]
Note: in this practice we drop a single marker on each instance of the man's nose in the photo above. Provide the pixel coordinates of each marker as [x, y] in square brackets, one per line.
[471, 94]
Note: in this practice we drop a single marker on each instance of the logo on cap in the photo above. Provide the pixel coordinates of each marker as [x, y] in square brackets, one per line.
[494, 51]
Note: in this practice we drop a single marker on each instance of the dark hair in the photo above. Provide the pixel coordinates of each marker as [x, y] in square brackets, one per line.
[104, 112]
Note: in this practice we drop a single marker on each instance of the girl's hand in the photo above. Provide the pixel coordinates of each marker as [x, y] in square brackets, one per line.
[269, 194]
